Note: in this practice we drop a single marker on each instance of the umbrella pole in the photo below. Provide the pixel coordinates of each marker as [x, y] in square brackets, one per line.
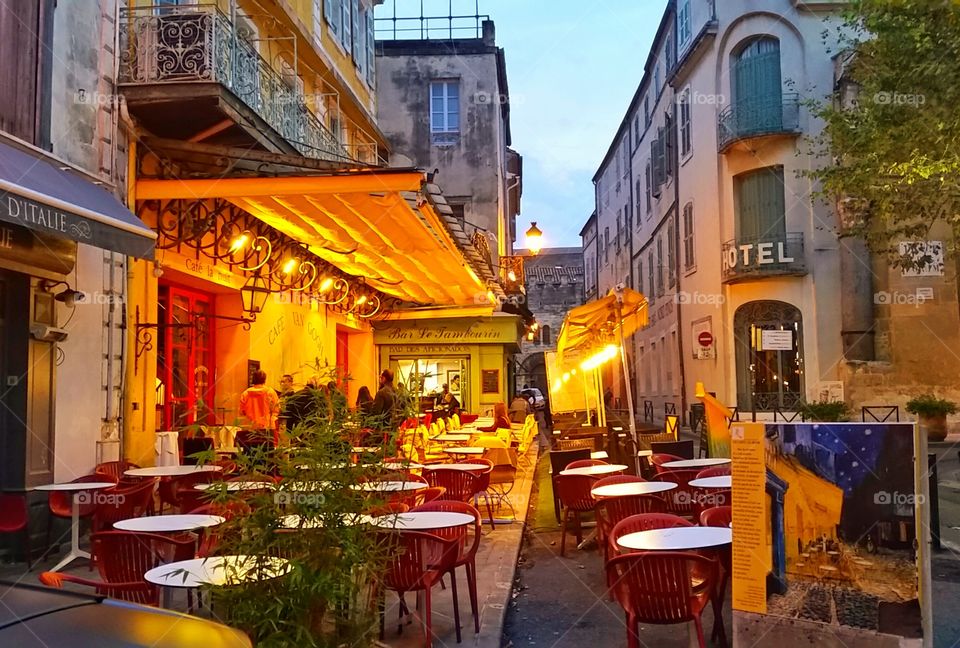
[601, 405]
[626, 383]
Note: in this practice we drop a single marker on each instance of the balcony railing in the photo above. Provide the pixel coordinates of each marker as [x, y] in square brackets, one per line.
[757, 117]
[199, 44]
[757, 258]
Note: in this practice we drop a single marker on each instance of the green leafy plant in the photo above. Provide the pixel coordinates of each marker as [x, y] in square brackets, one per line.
[826, 411]
[930, 405]
[328, 596]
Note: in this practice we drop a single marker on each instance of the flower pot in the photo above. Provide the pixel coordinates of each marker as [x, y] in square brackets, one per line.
[935, 425]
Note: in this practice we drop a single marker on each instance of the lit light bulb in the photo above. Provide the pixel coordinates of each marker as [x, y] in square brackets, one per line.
[326, 285]
[512, 276]
[289, 266]
[239, 243]
[361, 300]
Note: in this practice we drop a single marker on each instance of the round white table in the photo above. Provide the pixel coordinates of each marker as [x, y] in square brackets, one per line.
[390, 486]
[300, 522]
[168, 523]
[235, 486]
[724, 481]
[396, 465]
[465, 451]
[632, 488]
[459, 466]
[367, 449]
[677, 539]
[451, 438]
[600, 455]
[423, 520]
[215, 570]
[81, 493]
[697, 463]
[595, 471]
[170, 471]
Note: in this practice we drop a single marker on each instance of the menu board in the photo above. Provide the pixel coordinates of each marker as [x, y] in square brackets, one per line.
[490, 381]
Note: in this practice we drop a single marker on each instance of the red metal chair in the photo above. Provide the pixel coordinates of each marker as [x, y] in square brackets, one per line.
[431, 494]
[575, 498]
[660, 458]
[714, 471]
[467, 553]
[642, 522]
[126, 557]
[720, 516]
[169, 487]
[115, 469]
[663, 587]
[468, 418]
[617, 479]
[419, 562]
[390, 508]
[708, 498]
[15, 516]
[584, 463]
[460, 484]
[682, 499]
[611, 510]
[210, 536]
[122, 502]
[61, 503]
[483, 486]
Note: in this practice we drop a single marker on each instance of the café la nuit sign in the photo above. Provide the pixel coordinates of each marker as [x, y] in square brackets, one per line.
[752, 255]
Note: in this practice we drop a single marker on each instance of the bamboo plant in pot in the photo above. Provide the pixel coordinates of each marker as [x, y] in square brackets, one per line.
[932, 413]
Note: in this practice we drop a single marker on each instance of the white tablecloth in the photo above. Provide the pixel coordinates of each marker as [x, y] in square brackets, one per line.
[166, 448]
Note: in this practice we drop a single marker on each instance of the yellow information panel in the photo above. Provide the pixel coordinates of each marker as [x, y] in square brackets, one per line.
[750, 537]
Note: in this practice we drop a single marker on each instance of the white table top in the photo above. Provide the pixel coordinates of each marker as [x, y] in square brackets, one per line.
[168, 523]
[367, 449]
[170, 471]
[632, 488]
[217, 570]
[599, 454]
[235, 486]
[299, 522]
[390, 486]
[594, 471]
[459, 466]
[407, 465]
[697, 463]
[677, 539]
[423, 520]
[75, 486]
[465, 450]
[724, 481]
[453, 438]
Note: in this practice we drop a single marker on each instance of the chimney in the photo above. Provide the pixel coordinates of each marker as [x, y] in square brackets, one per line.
[489, 33]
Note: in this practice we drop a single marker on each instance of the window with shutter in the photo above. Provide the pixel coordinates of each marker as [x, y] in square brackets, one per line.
[331, 13]
[346, 18]
[606, 245]
[659, 265]
[639, 194]
[689, 258]
[759, 205]
[640, 275]
[371, 49]
[671, 251]
[649, 188]
[651, 284]
[757, 87]
[686, 128]
[619, 233]
[356, 49]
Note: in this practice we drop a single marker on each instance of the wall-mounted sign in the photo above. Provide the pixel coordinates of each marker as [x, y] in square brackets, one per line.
[430, 349]
[703, 347]
[921, 258]
[752, 255]
[776, 340]
[463, 331]
[490, 381]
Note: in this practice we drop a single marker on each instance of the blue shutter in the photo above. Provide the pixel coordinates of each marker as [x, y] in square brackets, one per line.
[759, 204]
[757, 87]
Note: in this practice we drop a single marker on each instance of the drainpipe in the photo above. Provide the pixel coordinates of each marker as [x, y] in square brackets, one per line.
[675, 154]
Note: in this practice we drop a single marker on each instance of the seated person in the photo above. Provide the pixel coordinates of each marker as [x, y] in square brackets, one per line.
[501, 421]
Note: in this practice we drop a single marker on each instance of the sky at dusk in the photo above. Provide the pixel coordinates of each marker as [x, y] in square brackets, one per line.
[572, 67]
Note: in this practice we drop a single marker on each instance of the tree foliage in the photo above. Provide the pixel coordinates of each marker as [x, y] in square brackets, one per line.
[894, 143]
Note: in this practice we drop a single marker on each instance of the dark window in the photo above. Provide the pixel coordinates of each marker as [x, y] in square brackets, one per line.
[546, 334]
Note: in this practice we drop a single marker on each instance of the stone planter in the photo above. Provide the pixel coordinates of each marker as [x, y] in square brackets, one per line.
[935, 425]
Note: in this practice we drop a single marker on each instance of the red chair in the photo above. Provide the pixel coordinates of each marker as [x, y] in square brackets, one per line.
[584, 463]
[122, 502]
[708, 498]
[61, 503]
[720, 516]
[714, 471]
[660, 458]
[15, 516]
[467, 554]
[190, 499]
[460, 484]
[115, 469]
[468, 418]
[210, 536]
[483, 486]
[126, 557]
[617, 479]
[682, 499]
[663, 587]
[611, 510]
[642, 522]
[390, 508]
[431, 494]
[169, 487]
[575, 498]
[420, 561]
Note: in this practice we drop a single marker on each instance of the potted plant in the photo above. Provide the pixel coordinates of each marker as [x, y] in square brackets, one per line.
[932, 414]
[825, 411]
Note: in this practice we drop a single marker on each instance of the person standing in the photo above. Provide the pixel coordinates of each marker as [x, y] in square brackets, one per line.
[385, 402]
[519, 408]
[607, 397]
[286, 386]
[260, 405]
[364, 400]
[302, 406]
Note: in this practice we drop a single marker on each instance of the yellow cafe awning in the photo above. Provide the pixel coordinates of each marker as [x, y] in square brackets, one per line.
[386, 226]
[597, 323]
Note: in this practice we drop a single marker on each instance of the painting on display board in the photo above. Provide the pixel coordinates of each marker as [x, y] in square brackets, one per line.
[839, 547]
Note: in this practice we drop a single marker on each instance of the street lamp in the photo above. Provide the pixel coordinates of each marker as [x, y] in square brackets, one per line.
[254, 294]
[534, 236]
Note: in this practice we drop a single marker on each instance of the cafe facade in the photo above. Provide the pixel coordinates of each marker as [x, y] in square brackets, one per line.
[472, 355]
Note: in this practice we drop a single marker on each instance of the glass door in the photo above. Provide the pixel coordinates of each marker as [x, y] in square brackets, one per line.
[185, 358]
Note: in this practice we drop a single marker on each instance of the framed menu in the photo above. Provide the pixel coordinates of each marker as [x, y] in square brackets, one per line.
[490, 381]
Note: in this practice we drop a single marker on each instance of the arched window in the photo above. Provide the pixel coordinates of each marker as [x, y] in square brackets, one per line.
[757, 87]
[546, 334]
[769, 371]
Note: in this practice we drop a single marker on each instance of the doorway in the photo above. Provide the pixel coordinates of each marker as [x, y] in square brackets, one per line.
[768, 380]
[185, 357]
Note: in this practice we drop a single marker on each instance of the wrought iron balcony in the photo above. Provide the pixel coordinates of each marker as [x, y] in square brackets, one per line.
[758, 117]
[198, 44]
[759, 258]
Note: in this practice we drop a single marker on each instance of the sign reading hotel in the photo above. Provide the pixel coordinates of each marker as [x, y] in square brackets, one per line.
[447, 332]
[754, 255]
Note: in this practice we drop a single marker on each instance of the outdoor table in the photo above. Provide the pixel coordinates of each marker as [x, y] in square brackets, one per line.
[300, 522]
[423, 520]
[74, 488]
[632, 488]
[723, 481]
[465, 451]
[697, 463]
[460, 466]
[451, 438]
[390, 486]
[595, 471]
[168, 523]
[677, 539]
[236, 486]
[396, 465]
[170, 471]
[366, 449]
[599, 455]
[214, 571]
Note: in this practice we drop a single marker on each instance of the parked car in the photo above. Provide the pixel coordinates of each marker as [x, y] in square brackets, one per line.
[40, 617]
[535, 396]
